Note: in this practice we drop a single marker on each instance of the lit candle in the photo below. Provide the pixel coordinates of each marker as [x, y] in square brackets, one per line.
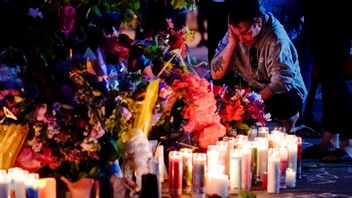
[276, 137]
[159, 153]
[254, 164]
[262, 157]
[198, 174]
[219, 185]
[47, 187]
[230, 145]
[253, 132]
[240, 140]
[235, 171]
[154, 173]
[292, 156]
[273, 170]
[175, 173]
[283, 165]
[186, 170]
[290, 178]
[299, 157]
[32, 185]
[263, 132]
[70, 54]
[246, 168]
[212, 158]
[17, 177]
[222, 146]
[4, 184]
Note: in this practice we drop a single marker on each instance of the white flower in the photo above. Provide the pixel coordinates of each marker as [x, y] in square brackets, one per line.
[267, 116]
[90, 144]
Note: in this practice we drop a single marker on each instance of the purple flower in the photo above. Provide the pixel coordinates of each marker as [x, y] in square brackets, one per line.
[35, 13]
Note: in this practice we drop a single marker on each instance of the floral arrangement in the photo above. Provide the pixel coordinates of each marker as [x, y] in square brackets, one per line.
[81, 135]
[199, 109]
[239, 109]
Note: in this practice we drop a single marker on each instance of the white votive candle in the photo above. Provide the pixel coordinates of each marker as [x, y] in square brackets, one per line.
[262, 157]
[292, 156]
[290, 178]
[212, 158]
[198, 174]
[263, 132]
[220, 185]
[4, 184]
[273, 171]
[246, 154]
[222, 146]
[235, 171]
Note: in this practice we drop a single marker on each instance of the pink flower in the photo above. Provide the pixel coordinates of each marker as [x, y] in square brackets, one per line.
[169, 23]
[210, 135]
[40, 112]
[33, 161]
[200, 109]
[97, 131]
[67, 19]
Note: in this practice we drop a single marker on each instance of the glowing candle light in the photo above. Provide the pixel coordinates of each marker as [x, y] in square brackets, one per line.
[186, 170]
[175, 173]
[4, 184]
[198, 175]
[47, 187]
[235, 171]
[273, 170]
[212, 158]
[290, 178]
[262, 157]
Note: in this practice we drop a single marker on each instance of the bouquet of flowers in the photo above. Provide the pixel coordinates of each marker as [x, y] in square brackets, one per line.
[240, 109]
[192, 109]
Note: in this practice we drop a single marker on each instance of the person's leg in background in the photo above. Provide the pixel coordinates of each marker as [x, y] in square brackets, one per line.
[337, 98]
[331, 58]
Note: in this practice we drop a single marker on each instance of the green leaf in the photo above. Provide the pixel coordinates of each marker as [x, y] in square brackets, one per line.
[96, 10]
[241, 126]
[136, 5]
[246, 194]
[94, 171]
[177, 4]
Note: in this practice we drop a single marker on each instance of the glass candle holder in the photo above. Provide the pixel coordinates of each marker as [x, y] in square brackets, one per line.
[175, 173]
[198, 174]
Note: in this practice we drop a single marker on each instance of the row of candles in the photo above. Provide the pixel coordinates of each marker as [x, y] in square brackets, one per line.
[235, 163]
[19, 183]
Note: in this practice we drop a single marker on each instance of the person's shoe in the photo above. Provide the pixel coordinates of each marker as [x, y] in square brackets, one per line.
[336, 156]
[329, 143]
[314, 152]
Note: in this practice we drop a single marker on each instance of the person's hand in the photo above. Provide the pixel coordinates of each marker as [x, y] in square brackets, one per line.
[233, 40]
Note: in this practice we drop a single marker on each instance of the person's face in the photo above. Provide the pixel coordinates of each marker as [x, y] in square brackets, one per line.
[246, 32]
